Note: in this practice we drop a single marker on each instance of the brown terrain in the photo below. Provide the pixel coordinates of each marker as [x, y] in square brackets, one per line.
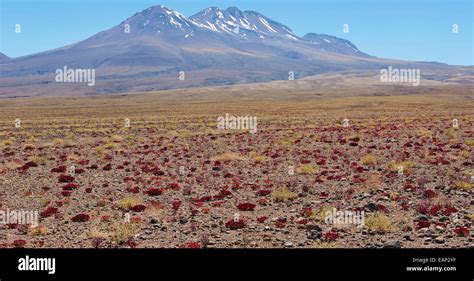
[173, 179]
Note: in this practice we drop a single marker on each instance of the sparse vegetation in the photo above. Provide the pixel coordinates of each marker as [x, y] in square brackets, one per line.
[283, 194]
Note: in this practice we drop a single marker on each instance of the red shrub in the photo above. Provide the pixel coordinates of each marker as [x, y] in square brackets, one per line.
[330, 236]
[80, 218]
[138, 208]
[133, 189]
[429, 193]
[263, 192]
[281, 222]
[448, 210]
[235, 224]
[20, 243]
[174, 186]
[423, 224]
[70, 186]
[306, 211]
[262, 219]
[107, 167]
[461, 231]
[65, 178]
[176, 204]
[132, 244]
[154, 191]
[50, 211]
[60, 169]
[302, 221]
[66, 193]
[246, 206]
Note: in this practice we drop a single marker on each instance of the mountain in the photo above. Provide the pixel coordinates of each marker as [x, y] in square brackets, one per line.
[333, 44]
[4, 58]
[213, 47]
[245, 25]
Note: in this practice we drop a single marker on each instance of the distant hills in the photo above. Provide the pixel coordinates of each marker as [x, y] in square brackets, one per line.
[147, 51]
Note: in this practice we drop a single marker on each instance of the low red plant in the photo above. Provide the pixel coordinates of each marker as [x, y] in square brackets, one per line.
[60, 169]
[80, 218]
[50, 211]
[20, 243]
[235, 224]
[70, 186]
[246, 206]
[176, 204]
[262, 219]
[65, 178]
[423, 224]
[138, 208]
[154, 191]
[461, 231]
[263, 192]
[330, 236]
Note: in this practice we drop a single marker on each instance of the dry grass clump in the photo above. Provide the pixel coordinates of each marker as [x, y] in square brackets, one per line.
[451, 133]
[39, 230]
[285, 142]
[307, 169]
[124, 232]
[257, 158]
[424, 133]
[228, 156]
[461, 185]
[369, 160]
[128, 202]
[283, 194]
[378, 222]
[374, 181]
[395, 166]
[321, 214]
[40, 160]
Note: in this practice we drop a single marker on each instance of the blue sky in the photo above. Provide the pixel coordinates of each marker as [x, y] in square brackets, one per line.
[419, 30]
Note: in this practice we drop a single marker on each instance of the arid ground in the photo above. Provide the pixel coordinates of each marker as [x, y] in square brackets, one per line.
[172, 179]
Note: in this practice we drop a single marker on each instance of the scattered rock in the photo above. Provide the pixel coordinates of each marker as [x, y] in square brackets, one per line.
[393, 244]
[371, 207]
[439, 240]
[314, 232]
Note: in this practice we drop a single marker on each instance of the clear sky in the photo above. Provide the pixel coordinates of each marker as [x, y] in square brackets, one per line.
[420, 30]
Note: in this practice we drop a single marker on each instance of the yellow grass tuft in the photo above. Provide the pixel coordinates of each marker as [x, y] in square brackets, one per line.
[128, 202]
[470, 142]
[369, 160]
[424, 133]
[228, 156]
[378, 222]
[39, 230]
[307, 169]
[283, 194]
[123, 232]
[318, 244]
[373, 181]
[451, 133]
[461, 185]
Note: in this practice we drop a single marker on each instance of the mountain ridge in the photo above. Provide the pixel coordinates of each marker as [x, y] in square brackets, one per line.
[146, 51]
